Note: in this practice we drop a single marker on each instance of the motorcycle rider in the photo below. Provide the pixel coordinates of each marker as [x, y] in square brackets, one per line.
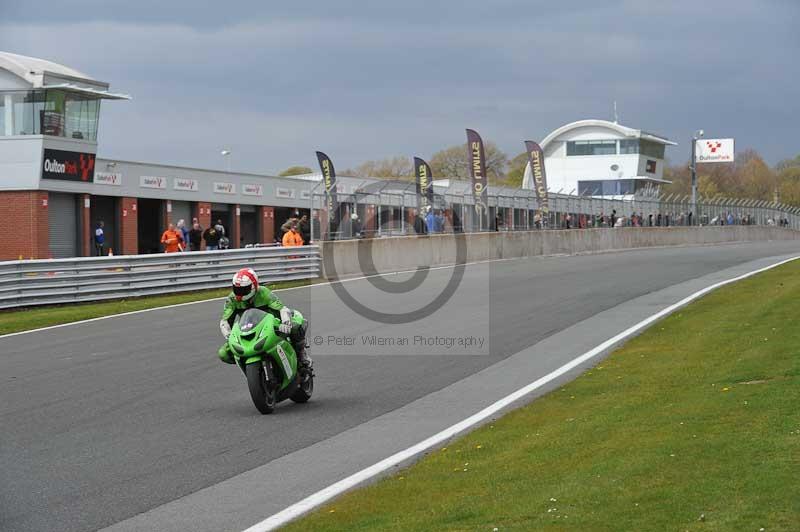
[246, 294]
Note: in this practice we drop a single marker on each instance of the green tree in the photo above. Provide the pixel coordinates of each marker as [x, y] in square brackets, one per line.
[757, 179]
[453, 162]
[789, 185]
[296, 170]
[788, 163]
[516, 170]
[399, 167]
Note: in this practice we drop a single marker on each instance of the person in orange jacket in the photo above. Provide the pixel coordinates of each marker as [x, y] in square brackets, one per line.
[292, 238]
[172, 240]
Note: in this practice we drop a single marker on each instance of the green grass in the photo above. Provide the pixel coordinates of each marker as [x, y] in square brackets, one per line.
[698, 416]
[36, 317]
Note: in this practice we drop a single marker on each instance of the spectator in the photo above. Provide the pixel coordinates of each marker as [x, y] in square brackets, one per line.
[568, 220]
[355, 225]
[439, 222]
[195, 237]
[305, 229]
[220, 228]
[614, 218]
[184, 230]
[689, 218]
[430, 222]
[420, 227]
[99, 239]
[292, 237]
[212, 236]
[537, 220]
[729, 221]
[172, 240]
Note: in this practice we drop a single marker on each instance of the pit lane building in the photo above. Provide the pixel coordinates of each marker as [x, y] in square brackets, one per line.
[53, 188]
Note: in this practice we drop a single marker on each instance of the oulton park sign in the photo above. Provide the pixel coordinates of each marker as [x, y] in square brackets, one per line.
[68, 165]
[714, 151]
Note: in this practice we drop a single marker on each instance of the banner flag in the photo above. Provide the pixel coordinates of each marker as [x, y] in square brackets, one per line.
[329, 177]
[536, 165]
[422, 171]
[477, 168]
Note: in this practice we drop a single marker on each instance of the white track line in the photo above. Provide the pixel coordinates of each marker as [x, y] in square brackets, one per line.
[317, 499]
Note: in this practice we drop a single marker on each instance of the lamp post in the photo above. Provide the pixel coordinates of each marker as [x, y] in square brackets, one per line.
[693, 166]
[227, 154]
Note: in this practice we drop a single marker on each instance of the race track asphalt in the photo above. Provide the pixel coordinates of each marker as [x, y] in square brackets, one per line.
[105, 420]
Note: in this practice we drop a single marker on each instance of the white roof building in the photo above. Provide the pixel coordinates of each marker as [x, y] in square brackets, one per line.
[601, 158]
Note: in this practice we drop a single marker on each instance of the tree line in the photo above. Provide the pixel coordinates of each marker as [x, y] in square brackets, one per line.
[452, 162]
[747, 177]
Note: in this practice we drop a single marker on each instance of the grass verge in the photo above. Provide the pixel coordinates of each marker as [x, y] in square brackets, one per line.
[36, 317]
[694, 425]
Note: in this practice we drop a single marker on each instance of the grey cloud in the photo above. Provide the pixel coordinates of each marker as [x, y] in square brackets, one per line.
[372, 79]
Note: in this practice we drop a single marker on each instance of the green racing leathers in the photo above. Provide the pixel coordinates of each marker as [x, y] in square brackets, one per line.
[265, 300]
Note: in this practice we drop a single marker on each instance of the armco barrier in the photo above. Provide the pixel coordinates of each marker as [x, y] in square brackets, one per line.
[41, 282]
[408, 253]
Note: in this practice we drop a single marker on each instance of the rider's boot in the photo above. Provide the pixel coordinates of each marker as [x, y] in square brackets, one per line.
[303, 360]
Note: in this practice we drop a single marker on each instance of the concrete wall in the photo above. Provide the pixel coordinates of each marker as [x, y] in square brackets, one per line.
[407, 253]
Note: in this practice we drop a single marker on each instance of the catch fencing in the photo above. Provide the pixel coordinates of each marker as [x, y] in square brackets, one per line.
[46, 282]
[389, 208]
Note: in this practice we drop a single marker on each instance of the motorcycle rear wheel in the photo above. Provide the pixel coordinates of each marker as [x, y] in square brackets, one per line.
[263, 393]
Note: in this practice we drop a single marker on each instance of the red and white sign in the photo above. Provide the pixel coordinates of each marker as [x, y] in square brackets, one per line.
[107, 178]
[224, 188]
[148, 181]
[714, 151]
[286, 193]
[249, 189]
[188, 185]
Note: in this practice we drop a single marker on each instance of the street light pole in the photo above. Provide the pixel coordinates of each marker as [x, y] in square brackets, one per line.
[693, 166]
[227, 154]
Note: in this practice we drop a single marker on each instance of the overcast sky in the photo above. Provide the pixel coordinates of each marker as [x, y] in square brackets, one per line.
[366, 79]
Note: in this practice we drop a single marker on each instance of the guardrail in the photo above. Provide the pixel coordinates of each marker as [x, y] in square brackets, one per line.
[47, 282]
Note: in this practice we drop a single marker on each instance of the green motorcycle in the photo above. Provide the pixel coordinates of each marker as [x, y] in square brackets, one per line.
[268, 360]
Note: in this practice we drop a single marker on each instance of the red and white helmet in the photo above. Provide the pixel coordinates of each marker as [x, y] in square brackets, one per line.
[245, 284]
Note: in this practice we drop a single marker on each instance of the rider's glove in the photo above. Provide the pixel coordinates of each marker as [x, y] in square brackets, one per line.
[225, 328]
[286, 320]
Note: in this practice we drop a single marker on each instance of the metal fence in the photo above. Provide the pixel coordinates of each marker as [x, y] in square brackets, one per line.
[40, 282]
[389, 208]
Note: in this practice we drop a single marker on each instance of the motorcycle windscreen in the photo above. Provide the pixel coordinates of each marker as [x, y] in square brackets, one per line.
[250, 320]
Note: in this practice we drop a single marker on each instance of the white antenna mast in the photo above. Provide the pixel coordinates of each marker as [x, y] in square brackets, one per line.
[616, 118]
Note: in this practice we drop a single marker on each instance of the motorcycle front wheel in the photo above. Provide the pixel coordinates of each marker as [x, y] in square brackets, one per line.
[263, 393]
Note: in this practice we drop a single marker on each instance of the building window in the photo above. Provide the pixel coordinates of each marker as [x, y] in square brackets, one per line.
[627, 146]
[591, 147]
[56, 113]
[645, 147]
[651, 149]
[607, 187]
